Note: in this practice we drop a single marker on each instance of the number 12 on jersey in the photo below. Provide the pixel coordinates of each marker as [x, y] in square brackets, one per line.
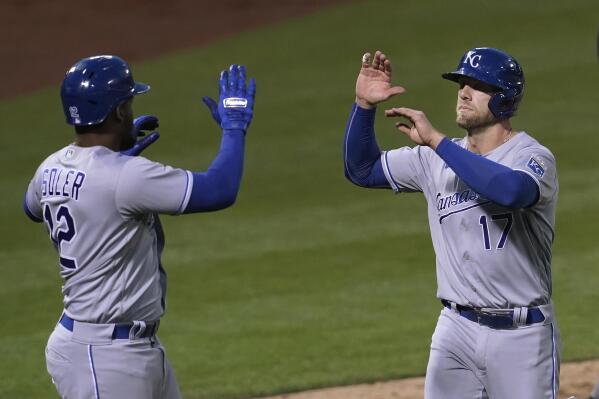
[508, 217]
[59, 234]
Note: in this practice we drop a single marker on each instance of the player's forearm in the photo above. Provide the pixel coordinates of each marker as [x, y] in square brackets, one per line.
[498, 183]
[361, 153]
[217, 188]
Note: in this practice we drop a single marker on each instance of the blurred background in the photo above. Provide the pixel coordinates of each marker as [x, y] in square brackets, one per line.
[308, 281]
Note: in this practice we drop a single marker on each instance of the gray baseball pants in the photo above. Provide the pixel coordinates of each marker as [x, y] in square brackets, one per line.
[471, 361]
[88, 363]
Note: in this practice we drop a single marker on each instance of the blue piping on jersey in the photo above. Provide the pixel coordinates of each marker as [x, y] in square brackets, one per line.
[93, 369]
[397, 186]
[29, 213]
[187, 195]
[180, 209]
[463, 210]
[554, 361]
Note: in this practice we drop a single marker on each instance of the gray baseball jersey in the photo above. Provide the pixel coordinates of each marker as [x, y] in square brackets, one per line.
[486, 255]
[101, 208]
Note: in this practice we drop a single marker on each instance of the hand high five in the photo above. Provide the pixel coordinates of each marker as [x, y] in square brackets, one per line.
[421, 132]
[374, 81]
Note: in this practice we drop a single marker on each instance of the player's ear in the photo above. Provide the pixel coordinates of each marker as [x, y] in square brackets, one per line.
[122, 110]
[119, 112]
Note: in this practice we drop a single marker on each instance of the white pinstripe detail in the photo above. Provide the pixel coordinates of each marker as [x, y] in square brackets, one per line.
[351, 121]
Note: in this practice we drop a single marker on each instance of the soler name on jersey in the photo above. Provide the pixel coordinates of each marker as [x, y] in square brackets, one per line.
[62, 182]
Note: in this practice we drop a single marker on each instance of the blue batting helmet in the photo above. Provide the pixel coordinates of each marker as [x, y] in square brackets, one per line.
[498, 69]
[94, 86]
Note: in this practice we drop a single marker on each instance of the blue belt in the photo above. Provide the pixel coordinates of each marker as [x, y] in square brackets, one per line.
[495, 320]
[121, 331]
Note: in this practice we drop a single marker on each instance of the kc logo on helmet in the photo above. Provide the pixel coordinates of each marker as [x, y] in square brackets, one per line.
[235, 102]
[473, 59]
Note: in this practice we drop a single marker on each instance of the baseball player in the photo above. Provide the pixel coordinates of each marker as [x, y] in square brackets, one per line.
[491, 207]
[100, 202]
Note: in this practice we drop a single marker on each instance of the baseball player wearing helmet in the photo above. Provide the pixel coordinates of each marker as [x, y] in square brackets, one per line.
[100, 202]
[491, 206]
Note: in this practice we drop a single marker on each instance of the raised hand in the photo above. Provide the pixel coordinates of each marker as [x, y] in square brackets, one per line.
[140, 124]
[213, 108]
[143, 122]
[374, 81]
[421, 132]
[236, 102]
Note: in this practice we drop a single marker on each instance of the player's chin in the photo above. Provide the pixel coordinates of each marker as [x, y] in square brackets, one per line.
[462, 121]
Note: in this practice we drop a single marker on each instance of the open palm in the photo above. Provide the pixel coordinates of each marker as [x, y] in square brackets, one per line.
[374, 81]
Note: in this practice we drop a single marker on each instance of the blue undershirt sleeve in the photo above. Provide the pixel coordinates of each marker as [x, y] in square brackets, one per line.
[496, 182]
[217, 187]
[361, 153]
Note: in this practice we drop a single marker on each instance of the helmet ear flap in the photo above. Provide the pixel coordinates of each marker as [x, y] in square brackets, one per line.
[503, 104]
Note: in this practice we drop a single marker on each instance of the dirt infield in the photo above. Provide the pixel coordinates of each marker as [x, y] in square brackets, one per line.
[576, 380]
[41, 39]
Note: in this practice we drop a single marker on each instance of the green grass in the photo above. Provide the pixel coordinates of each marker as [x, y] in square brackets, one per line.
[309, 281]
